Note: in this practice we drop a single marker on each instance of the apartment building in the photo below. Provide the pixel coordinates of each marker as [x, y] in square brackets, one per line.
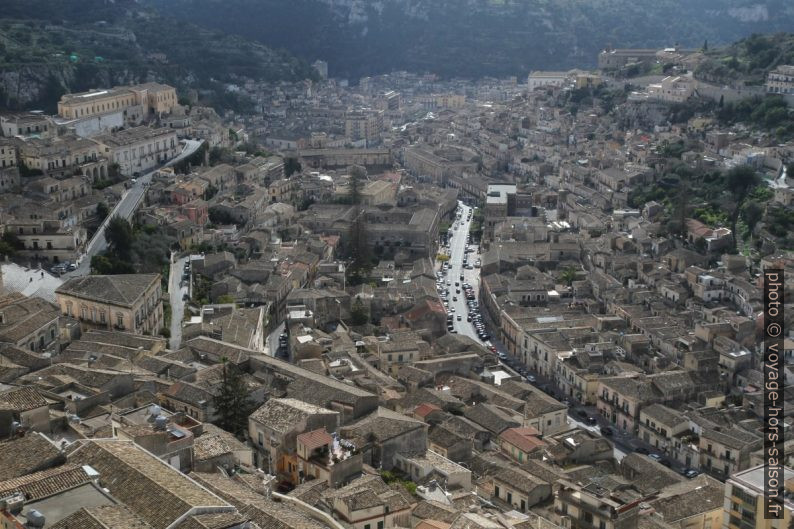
[593, 507]
[744, 501]
[364, 124]
[27, 124]
[672, 89]
[54, 239]
[64, 156]
[781, 80]
[130, 302]
[139, 149]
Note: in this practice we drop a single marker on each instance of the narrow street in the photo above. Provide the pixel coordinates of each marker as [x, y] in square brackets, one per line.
[176, 293]
[271, 342]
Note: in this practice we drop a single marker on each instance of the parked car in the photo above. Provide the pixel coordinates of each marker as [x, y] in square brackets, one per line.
[606, 430]
[642, 450]
[690, 473]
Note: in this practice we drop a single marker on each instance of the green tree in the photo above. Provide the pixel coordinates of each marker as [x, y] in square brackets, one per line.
[291, 166]
[752, 213]
[357, 176]
[119, 236]
[232, 403]
[568, 275]
[740, 180]
[701, 245]
[102, 211]
[358, 314]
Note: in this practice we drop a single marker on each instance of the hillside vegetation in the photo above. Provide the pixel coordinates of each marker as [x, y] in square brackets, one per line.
[475, 38]
[48, 48]
[748, 60]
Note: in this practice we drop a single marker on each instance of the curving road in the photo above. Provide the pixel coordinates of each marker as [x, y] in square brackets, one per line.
[125, 207]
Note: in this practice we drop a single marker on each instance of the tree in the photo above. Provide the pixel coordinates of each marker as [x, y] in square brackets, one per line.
[358, 314]
[357, 176]
[119, 236]
[752, 213]
[232, 403]
[740, 180]
[568, 275]
[701, 245]
[102, 211]
[291, 166]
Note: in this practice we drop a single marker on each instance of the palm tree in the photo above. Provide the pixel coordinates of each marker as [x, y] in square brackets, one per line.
[568, 275]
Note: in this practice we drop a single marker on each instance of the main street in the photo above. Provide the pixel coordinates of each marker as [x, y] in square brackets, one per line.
[125, 208]
[457, 251]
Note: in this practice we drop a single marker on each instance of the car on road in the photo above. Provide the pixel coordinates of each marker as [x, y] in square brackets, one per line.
[642, 450]
[582, 414]
[458, 317]
[592, 421]
[690, 473]
[531, 379]
[606, 430]
[454, 298]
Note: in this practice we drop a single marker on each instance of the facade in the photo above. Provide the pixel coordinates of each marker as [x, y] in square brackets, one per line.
[781, 80]
[538, 79]
[364, 124]
[129, 302]
[586, 508]
[744, 501]
[139, 149]
[152, 98]
[64, 156]
[672, 89]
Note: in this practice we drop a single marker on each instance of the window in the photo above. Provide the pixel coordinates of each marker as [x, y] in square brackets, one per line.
[602, 525]
[120, 319]
[102, 316]
[510, 497]
[496, 490]
[366, 526]
[380, 525]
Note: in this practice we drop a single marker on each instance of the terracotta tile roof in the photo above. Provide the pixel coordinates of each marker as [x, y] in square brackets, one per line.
[522, 438]
[315, 439]
[28, 454]
[45, 483]
[21, 399]
[425, 409]
[152, 489]
[121, 290]
[102, 517]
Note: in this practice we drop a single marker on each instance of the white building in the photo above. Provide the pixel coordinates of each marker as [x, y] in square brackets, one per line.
[781, 80]
[672, 89]
[140, 149]
[538, 79]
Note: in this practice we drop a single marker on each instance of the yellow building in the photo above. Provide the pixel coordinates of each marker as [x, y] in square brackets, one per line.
[128, 302]
[153, 98]
[744, 501]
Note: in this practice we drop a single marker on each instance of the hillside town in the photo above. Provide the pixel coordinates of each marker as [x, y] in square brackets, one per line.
[411, 302]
